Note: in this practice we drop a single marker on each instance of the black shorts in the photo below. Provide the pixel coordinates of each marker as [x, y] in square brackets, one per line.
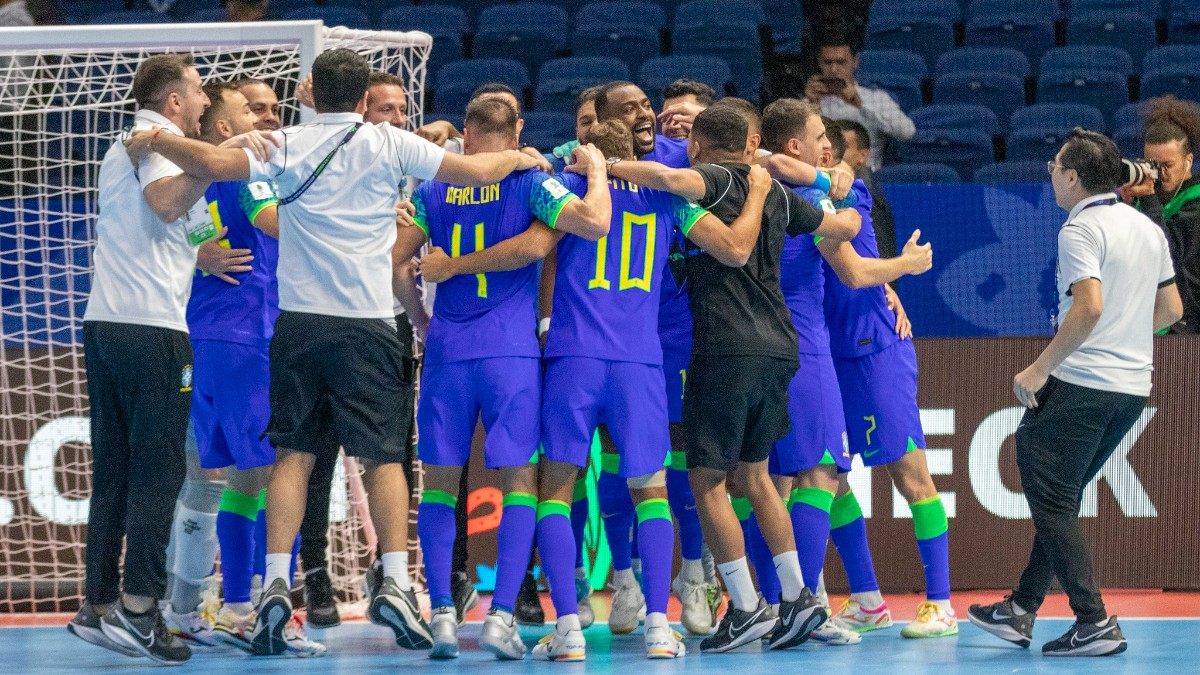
[734, 409]
[340, 378]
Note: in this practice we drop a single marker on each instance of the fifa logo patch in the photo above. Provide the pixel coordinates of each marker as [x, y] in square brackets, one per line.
[845, 445]
[185, 379]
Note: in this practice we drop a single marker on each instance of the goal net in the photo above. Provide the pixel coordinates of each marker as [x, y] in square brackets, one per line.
[64, 98]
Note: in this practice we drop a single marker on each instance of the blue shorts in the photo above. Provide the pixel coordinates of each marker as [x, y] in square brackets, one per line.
[677, 353]
[231, 404]
[879, 393]
[628, 398]
[818, 428]
[505, 391]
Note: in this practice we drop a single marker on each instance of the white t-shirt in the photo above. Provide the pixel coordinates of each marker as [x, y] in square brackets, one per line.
[143, 266]
[1128, 253]
[335, 241]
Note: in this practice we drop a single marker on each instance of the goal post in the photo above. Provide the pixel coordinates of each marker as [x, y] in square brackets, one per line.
[64, 98]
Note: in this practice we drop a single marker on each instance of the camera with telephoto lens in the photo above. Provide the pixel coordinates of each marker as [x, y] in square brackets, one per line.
[1133, 172]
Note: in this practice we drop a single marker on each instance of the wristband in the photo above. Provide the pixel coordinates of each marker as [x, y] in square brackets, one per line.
[543, 326]
[822, 181]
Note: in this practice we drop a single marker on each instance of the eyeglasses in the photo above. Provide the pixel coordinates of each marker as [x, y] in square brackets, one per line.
[1052, 164]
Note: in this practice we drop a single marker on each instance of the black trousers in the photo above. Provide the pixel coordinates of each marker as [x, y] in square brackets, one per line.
[314, 529]
[140, 393]
[1061, 446]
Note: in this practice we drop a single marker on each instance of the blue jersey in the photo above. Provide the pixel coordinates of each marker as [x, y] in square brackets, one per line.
[245, 313]
[669, 151]
[494, 314]
[859, 320]
[802, 280]
[674, 316]
[606, 292]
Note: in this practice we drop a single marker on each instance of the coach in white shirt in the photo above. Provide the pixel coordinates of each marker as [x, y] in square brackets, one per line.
[1083, 393]
[335, 357]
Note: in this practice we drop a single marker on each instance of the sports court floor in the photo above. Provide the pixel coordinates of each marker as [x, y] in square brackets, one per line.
[1162, 629]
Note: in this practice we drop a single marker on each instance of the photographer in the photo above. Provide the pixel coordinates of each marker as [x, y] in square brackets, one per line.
[1172, 199]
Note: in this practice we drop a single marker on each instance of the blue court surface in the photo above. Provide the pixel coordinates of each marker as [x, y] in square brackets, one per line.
[1155, 646]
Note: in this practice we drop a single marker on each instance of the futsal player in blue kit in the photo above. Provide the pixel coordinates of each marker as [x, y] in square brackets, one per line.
[482, 358]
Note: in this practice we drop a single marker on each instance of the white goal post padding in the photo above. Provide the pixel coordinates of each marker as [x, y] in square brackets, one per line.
[64, 98]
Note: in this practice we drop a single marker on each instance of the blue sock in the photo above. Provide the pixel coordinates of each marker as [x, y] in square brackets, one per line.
[810, 524]
[616, 508]
[658, 535]
[764, 563]
[514, 544]
[931, 527]
[579, 517]
[435, 529]
[556, 546]
[848, 530]
[687, 519]
[237, 519]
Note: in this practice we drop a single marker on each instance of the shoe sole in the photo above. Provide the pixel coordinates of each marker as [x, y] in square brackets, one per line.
[1097, 648]
[918, 636]
[663, 651]
[501, 649]
[756, 633]
[122, 640]
[314, 621]
[274, 616]
[230, 640]
[802, 628]
[97, 637]
[444, 650]
[385, 614]
[1001, 630]
[573, 657]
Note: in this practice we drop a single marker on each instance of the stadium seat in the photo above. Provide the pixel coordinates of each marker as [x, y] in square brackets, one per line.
[1002, 173]
[786, 19]
[374, 9]
[446, 23]
[1151, 9]
[918, 173]
[927, 36]
[130, 17]
[728, 29]
[1001, 93]
[1088, 57]
[85, 11]
[983, 60]
[962, 149]
[1128, 115]
[1184, 25]
[530, 32]
[561, 80]
[207, 16]
[891, 61]
[455, 81]
[627, 29]
[929, 9]
[1129, 141]
[1030, 32]
[622, 14]
[657, 73]
[956, 116]
[1105, 89]
[331, 16]
[1135, 33]
[905, 89]
[1182, 80]
[1042, 9]
[1033, 144]
[456, 120]
[1170, 55]
[1062, 116]
[547, 130]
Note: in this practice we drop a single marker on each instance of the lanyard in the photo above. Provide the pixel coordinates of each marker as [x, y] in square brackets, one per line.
[1111, 201]
[320, 167]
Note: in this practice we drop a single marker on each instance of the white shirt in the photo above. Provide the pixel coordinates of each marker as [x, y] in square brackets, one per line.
[335, 241]
[1128, 253]
[143, 266]
[879, 113]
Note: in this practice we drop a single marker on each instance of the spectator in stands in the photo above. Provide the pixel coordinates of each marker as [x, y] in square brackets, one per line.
[850, 147]
[687, 96]
[842, 98]
[246, 10]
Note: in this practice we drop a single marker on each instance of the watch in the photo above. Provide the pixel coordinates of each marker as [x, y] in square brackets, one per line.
[612, 160]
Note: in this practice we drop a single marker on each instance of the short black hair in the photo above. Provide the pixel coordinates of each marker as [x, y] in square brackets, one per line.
[215, 91]
[837, 142]
[497, 88]
[839, 36]
[159, 76]
[1094, 157]
[746, 109]
[603, 92]
[340, 78]
[705, 95]
[785, 118]
[587, 96]
[723, 127]
[490, 115]
[860, 132]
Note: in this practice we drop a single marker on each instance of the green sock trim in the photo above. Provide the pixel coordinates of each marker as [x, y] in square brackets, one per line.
[678, 460]
[439, 497]
[553, 507]
[929, 518]
[741, 506]
[845, 510]
[580, 492]
[610, 463]
[245, 506]
[262, 499]
[814, 497]
[653, 508]
[520, 499]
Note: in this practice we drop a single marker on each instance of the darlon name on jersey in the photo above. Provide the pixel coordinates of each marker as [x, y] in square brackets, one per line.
[456, 196]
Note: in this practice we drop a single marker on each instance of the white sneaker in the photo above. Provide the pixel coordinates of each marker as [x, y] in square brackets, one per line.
[861, 619]
[832, 632]
[583, 596]
[664, 643]
[628, 609]
[195, 627]
[932, 622]
[297, 640]
[697, 615]
[443, 626]
[556, 646]
[500, 637]
[233, 629]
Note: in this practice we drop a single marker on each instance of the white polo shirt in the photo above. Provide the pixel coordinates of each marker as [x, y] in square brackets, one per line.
[335, 241]
[1128, 253]
[143, 266]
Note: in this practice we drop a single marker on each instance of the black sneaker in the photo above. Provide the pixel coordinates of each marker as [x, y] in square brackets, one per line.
[145, 633]
[1000, 620]
[1088, 639]
[738, 628]
[373, 578]
[797, 619]
[274, 611]
[86, 627]
[528, 611]
[464, 594]
[399, 611]
[320, 606]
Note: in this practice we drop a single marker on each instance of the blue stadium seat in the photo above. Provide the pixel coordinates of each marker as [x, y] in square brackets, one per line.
[1128, 115]
[918, 173]
[1002, 173]
[1151, 9]
[891, 61]
[455, 81]
[130, 17]
[927, 36]
[1088, 57]
[1170, 55]
[627, 29]
[446, 23]
[1060, 116]
[374, 9]
[1129, 141]
[622, 14]
[546, 130]
[657, 73]
[930, 9]
[1182, 80]
[331, 16]
[956, 116]
[964, 150]
[207, 16]
[1105, 89]
[85, 10]
[1042, 9]
[727, 29]
[1033, 144]
[983, 60]
[1184, 25]
[456, 120]
[1032, 33]
[786, 19]
[530, 32]
[1135, 33]
[1001, 93]
[905, 89]
[561, 80]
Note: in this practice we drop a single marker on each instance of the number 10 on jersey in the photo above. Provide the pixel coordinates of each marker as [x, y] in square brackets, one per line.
[627, 281]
